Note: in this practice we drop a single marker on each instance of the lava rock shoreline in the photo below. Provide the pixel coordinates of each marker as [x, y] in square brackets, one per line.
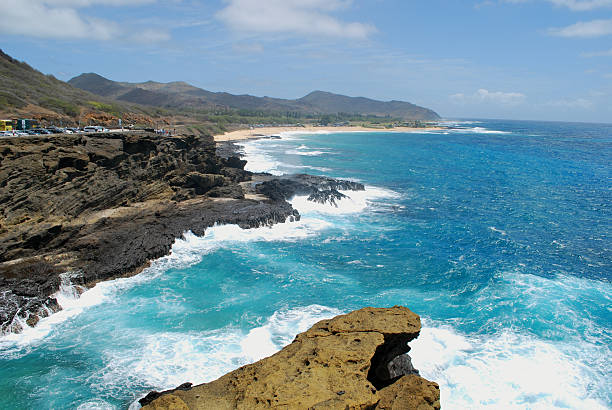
[102, 206]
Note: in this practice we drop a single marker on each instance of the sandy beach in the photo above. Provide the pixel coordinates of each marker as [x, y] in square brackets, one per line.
[267, 131]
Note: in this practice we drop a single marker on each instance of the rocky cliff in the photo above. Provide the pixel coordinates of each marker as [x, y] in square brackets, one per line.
[103, 205]
[353, 361]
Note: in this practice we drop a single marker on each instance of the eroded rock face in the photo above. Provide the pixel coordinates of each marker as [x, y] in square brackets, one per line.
[102, 205]
[327, 367]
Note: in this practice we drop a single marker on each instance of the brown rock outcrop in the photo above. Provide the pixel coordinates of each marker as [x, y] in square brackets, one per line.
[338, 364]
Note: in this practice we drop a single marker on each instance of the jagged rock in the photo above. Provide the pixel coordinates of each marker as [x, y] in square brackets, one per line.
[326, 367]
[103, 204]
[327, 195]
[320, 189]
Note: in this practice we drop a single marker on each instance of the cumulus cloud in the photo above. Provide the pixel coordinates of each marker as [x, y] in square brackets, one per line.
[492, 97]
[61, 19]
[584, 29]
[303, 17]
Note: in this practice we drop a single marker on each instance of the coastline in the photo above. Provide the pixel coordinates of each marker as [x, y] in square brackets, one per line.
[62, 224]
[254, 133]
[105, 239]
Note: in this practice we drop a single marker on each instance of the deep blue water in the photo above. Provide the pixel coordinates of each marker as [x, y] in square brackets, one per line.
[496, 233]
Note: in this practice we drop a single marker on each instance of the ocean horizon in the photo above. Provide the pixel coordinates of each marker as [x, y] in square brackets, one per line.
[496, 232]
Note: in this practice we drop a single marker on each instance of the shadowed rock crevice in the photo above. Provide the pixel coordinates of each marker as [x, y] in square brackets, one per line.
[391, 361]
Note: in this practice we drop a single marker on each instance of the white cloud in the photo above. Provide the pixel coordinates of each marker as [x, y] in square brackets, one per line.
[594, 28]
[61, 19]
[485, 96]
[575, 5]
[582, 5]
[581, 103]
[303, 17]
[605, 53]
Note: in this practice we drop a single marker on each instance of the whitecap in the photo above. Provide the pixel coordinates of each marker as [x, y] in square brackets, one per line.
[313, 153]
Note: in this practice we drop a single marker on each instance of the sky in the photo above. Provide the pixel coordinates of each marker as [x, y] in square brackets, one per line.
[512, 59]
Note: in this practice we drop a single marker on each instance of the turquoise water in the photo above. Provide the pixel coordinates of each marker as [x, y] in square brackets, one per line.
[496, 233]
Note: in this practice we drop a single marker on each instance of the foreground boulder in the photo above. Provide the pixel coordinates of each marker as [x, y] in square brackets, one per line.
[348, 362]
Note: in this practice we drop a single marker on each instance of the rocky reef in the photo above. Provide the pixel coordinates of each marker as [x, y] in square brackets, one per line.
[99, 206]
[353, 361]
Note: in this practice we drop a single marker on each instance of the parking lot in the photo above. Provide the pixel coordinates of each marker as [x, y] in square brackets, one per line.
[58, 130]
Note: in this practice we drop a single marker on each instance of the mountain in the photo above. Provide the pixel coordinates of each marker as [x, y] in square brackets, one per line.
[26, 91]
[181, 95]
[332, 103]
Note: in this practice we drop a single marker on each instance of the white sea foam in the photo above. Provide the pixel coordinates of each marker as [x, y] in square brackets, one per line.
[72, 305]
[510, 368]
[481, 130]
[313, 153]
[186, 251]
[507, 370]
[166, 360]
[96, 404]
[356, 201]
[451, 123]
[322, 169]
[258, 158]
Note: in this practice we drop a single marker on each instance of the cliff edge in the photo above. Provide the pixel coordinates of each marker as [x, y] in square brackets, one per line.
[353, 361]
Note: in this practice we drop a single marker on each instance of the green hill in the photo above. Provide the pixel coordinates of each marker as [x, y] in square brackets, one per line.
[26, 90]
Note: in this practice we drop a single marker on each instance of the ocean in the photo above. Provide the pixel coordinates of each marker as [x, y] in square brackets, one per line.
[498, 233]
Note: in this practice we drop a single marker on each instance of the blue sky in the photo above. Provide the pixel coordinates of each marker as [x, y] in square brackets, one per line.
[520, 59]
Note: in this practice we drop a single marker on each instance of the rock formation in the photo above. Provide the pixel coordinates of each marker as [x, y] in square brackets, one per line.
[353, 361]
[103, 205]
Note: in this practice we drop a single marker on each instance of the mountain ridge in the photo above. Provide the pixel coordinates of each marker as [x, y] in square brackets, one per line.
[180, 94]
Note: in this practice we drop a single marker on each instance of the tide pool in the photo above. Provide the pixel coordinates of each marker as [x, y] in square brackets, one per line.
[496, 232]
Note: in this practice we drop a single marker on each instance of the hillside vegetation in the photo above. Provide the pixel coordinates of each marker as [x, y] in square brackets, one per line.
[25, 91]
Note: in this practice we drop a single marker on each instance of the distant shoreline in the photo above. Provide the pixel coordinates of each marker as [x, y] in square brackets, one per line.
[245, 134]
